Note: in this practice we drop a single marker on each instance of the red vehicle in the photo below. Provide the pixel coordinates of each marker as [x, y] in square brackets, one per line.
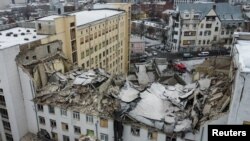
[179, 67]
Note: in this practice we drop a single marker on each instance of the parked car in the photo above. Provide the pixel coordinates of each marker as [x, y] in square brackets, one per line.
[204, 53]
[180, 67]
[150, 54]
[154, 53]
[187, 55]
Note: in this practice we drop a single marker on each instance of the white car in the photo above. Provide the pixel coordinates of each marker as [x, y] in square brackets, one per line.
[154, 53]
[150, 54]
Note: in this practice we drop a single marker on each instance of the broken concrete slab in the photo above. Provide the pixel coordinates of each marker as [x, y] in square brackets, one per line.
[204, 83]
[216, 96]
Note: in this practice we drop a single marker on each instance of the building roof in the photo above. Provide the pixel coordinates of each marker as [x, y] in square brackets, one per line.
[243, 50]
[225, 11]
[23, 35]
[49, 18]
[85, 17]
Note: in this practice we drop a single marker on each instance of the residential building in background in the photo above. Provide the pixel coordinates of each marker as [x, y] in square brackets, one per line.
[200, 26]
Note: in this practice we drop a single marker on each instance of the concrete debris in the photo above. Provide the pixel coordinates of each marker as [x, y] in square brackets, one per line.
[182, 108]
[128, 93]
[204, 83]
[85, 93]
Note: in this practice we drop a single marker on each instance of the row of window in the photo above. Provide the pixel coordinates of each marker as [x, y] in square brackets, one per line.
[152, 135]
[54, 135]
[102, 25]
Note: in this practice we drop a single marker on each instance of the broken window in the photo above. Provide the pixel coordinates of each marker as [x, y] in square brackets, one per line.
[63, 112]
[65, 126]
[152, 135]
[2, 100]
[104, 137]
[65, 138]
[74, 57]
[72, 24]
[52, 123]
[82, 41]
[103, 122]
[76, 115]
[135, 131]
[48, 49]
[90, 132]
[89, 119]
[39, 26]
[54, 136]
[77, 130]
[51, 109]
[8, 137]
[6, 125]
[40, 107]
[42, 120]
[4, 113]
[82, 55]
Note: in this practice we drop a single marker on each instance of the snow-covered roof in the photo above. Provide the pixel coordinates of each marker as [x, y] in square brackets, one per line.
[85, 17]
[243, 48]
[49, 18]
[23, 35]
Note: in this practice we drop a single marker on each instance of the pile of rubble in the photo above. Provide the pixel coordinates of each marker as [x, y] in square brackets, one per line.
[177, 108]
[78, 90]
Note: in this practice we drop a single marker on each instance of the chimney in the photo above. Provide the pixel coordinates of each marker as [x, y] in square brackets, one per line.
[214, 6]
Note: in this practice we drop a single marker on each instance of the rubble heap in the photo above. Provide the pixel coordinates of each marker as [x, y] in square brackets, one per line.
[78, 90]
[178, 108]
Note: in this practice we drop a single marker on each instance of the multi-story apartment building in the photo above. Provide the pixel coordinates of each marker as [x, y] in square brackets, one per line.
[202, 26]
[13, 118]
[95, 38]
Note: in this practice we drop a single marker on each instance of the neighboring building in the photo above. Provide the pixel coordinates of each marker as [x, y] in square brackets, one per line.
[207, 26]
[13, 110]
[137, 45]
[238, 112]
[177, 2]
[94, 38]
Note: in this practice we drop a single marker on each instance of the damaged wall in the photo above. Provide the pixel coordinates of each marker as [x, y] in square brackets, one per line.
[29, 54]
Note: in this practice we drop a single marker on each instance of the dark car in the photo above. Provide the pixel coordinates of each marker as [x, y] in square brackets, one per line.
[187, 55]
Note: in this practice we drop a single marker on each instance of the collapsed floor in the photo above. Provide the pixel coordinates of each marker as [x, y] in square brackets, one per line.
[173, 108]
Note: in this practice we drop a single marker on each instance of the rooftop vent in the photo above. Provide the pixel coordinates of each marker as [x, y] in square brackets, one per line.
[34, 36]
[28, 30]
[34, 30]
[26, 39]
[15, 35]
[22, 33]
[7, 34]
[19, 30]
[0, 33]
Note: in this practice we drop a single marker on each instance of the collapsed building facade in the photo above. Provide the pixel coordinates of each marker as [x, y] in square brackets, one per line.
[71, 103]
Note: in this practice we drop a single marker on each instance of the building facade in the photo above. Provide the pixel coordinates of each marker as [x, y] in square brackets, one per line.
[100, 40]
[208, 26]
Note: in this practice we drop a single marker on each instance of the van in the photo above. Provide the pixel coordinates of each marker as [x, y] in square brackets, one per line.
[203, 54]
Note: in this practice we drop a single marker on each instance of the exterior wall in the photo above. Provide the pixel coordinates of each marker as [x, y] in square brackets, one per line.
[28, 94]
[103, 44]
[127, 30]
[71, 123]
[240, 100]
[12, 91]
[128, 136]
[84, 47]
[138, 47]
